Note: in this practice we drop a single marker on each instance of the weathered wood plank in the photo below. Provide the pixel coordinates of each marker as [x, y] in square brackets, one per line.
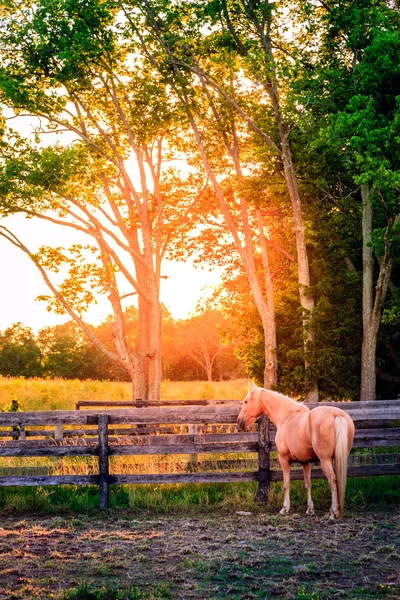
[185, 478]
[164, 415]
[133, 404]
[182, 444]
[356, 404]
[102, 403]
[34, 480]
[174, 415]
[139, 449]
[296, 474]
[201, 438]
[375, 434]
[24, 450]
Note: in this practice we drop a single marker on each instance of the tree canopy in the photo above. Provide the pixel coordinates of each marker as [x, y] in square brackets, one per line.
[259, 136]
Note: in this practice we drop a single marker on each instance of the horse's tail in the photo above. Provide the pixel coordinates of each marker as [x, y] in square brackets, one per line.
[341, 454]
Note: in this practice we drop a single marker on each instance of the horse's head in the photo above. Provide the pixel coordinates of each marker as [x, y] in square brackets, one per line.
[251, 408]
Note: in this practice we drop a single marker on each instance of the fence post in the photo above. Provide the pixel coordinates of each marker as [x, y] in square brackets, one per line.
[264, 475]
[103, 461]
[193, 458]
[58, 432]
[139, 404]
[22, 433]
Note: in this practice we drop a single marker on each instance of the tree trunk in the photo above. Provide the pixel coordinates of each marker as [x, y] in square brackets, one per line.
[153, 355]
[368, 376]
[372, 305]
[306, 298]
[266, 309]
[368, 361]
[208, 367]
[267, 313]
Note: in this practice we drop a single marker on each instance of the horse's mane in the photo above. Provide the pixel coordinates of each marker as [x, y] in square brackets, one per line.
[257, 391]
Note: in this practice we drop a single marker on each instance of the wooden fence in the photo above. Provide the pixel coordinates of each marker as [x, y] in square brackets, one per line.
[131, 433]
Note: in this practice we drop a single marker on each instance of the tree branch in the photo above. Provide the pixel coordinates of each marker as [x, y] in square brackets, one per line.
[8, 235]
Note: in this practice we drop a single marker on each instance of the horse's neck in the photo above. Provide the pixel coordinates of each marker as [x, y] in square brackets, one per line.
[277, 407]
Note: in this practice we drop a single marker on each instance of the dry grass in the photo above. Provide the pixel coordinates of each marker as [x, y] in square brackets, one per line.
[62, 394]
[42, 394]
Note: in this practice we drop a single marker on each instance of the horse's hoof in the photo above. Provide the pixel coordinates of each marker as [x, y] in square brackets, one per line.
[310, 512]
[284, 511]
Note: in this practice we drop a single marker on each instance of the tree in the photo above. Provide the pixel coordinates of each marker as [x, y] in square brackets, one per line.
[196, 42]
[200, 338]
[357, 82]
[20, 355]
[61, 349]
[67, 353]
[69, 66]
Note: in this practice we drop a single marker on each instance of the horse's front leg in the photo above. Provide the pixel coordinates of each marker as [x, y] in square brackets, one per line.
[285, 464]
[307, 485]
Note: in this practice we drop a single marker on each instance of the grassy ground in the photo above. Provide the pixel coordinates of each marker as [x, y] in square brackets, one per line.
[186, 541]
[210, 554]
[62, 394]
[367, 493]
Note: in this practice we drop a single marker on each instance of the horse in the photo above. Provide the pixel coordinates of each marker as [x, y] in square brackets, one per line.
[302, 435]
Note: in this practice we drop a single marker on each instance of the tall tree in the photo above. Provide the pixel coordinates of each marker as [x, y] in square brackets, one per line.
[355, 82]
[194, 39]
[68, 66]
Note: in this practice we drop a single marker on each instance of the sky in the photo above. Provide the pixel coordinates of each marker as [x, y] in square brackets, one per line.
[21, 282]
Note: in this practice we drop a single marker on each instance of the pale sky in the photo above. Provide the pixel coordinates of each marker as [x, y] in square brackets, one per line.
[21, 282]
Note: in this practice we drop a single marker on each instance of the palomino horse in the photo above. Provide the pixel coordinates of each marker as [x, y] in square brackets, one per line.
[325, 432]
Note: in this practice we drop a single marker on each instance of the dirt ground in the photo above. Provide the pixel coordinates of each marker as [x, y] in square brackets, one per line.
[208, 555]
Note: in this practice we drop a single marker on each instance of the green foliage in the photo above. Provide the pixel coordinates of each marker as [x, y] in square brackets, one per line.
[63, 351]
[19, 352]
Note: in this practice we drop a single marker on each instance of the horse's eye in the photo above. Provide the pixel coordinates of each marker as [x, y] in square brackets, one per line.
[245, 401]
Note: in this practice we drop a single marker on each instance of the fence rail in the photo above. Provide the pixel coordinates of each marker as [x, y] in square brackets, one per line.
[377, 425]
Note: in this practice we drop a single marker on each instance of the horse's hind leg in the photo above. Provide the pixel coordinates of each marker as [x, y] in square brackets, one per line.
[307, 485]
[327, 467]
[285, 464]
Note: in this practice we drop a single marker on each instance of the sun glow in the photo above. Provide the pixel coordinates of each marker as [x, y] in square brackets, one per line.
[181, 290]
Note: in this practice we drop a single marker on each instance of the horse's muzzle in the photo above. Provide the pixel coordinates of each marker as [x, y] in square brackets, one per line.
[241, 424]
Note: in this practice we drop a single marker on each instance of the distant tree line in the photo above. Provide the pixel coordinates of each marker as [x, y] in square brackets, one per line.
[194, 349]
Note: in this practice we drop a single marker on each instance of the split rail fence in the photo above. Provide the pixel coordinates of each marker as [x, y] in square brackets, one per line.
[151, 430]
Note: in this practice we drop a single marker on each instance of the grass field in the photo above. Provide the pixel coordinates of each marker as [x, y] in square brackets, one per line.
[62, 394]
[37, 394]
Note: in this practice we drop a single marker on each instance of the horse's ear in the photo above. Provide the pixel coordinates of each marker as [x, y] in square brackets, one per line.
[251, 385]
